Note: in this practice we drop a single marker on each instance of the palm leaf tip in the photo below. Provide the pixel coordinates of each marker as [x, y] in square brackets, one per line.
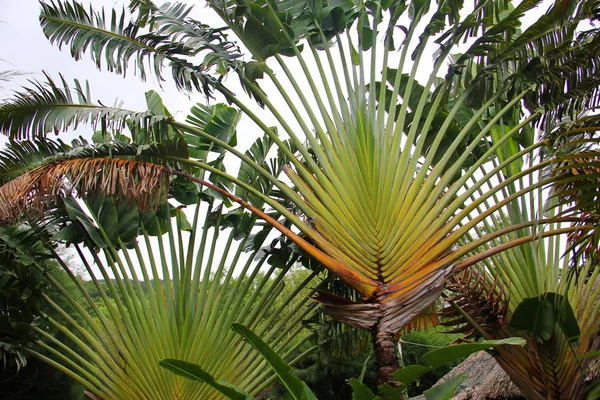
[142, 182]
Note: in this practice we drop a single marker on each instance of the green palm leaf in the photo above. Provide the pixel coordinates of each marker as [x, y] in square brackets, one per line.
[19, 157]
[46, 108]
[531, 291]
[159, 304]
[114, 43]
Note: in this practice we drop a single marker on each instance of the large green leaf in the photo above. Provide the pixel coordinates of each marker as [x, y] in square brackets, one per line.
[195, 372]
[298, 389]
[540, 315]
[409, 374]
[446, 389]
[258, 153]
[535, 315]
[219, 121]
[84, 222]
[129, 221]
[184, 191]
[447, 354]
[360, 391]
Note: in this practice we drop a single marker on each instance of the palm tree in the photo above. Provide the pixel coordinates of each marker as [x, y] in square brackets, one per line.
[7, 75]
[174, 294]
[381, 164]
[536, 292]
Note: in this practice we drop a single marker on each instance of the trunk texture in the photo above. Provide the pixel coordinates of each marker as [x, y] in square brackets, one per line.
[386, 359]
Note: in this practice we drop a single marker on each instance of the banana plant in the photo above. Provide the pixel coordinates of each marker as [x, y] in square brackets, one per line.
[379, 160]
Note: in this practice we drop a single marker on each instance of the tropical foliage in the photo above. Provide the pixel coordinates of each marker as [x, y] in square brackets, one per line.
[533, 292]
[299, 390]
[383, 176]
[114, 351]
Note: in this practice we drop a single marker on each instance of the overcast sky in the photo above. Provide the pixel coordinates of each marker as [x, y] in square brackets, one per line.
[23, 47]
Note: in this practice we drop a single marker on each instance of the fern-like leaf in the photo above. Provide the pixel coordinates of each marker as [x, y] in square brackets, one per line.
[19, 157]
[46, 108]
[113, 43]
[39, 188]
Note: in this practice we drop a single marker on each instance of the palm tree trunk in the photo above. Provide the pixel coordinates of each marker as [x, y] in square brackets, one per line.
[386, 359]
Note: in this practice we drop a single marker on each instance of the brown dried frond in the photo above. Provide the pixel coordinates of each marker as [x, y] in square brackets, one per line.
[142, 182]
[580, 188]
[580, 179]
[479, 299]
[426, 319]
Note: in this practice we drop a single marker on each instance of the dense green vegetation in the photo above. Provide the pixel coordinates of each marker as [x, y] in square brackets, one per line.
[476, 181]
[341, 355]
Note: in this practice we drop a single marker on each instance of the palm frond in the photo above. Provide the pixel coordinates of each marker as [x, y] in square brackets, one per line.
[480, 302]
[566, 79]
[10, 74]
[173, 21]
[558, 61]
[20, 291]
[577, 192]
[46, 108]
[176, 297]
[19, 157]
[144, 183]
[488, 298]
[114, 43]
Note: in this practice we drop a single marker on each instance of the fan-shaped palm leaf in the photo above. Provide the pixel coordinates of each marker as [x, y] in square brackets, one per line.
[561, 325]
[380, 190]
[159, 304]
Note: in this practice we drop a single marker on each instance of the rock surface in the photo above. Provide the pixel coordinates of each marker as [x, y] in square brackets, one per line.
[486, 380]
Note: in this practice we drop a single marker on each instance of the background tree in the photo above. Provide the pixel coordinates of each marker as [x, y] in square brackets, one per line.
[22, 307]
